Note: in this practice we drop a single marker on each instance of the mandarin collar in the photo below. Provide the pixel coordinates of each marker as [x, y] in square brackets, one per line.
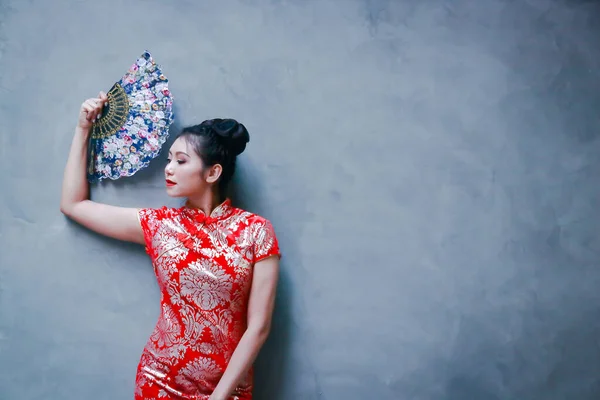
[222, 211]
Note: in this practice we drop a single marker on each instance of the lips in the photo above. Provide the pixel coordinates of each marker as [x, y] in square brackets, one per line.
[170, 182]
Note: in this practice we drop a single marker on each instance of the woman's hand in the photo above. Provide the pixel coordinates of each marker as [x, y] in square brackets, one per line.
[90, 111]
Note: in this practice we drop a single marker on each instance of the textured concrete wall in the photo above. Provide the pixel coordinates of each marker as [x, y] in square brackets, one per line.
[431, 168]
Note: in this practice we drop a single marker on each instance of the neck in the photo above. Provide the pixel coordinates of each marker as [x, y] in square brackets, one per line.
[206, 202]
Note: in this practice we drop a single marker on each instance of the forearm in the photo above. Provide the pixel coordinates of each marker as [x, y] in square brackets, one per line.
[75, 186]
[244, 355]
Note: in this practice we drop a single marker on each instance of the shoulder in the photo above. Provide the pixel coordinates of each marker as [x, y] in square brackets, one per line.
[250, 218]
[259, 228]
[261, 235]
[256, 232]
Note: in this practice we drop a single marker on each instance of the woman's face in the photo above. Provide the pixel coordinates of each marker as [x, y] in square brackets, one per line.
[184, 172]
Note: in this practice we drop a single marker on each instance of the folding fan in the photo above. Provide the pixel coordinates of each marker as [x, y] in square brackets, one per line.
[133, 125]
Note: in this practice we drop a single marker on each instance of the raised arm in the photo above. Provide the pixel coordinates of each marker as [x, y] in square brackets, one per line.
[116, 222]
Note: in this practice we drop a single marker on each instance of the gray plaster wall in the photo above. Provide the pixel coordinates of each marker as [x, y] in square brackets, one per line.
[431, 169]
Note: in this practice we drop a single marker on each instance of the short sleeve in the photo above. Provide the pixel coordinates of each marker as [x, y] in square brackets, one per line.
[265, 241]
[150, 221]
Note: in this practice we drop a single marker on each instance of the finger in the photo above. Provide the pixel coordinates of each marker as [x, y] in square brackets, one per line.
[96, 105]
[85, 103]
[91, 103]
[99, 103]
[99, 107]
[90, 108]
[93, 107]
[86, 107]
[89, 111]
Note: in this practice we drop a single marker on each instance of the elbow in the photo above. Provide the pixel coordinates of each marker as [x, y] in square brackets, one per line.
[66, 208]
[71, 209]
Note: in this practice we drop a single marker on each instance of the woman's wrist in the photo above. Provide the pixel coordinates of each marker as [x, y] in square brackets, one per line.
[217, 396]
[82, 131]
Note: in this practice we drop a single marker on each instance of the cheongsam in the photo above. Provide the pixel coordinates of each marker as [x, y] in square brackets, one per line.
[204, 267]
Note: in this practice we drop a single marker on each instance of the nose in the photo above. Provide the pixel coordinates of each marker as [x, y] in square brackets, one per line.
[169, 170]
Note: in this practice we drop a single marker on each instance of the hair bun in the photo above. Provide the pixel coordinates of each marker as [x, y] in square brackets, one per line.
[234, 135]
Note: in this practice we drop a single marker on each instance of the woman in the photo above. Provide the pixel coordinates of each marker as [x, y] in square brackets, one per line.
[217, 265]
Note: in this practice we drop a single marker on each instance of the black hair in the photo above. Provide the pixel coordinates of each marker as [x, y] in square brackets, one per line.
[218, 141]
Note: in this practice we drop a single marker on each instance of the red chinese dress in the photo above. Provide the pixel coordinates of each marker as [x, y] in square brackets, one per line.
[204, 269]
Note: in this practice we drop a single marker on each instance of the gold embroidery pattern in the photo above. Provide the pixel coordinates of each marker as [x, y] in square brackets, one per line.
[114, 114]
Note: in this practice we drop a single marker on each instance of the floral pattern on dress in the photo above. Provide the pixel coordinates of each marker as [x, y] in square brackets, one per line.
[206, 283]
[145, 128]
[169, 331]
[204, 367]
[204, 297]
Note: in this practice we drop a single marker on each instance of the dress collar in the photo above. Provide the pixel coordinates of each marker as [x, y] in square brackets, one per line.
[222, 211]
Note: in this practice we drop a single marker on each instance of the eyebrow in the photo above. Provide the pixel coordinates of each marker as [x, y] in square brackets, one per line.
[181, 152]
